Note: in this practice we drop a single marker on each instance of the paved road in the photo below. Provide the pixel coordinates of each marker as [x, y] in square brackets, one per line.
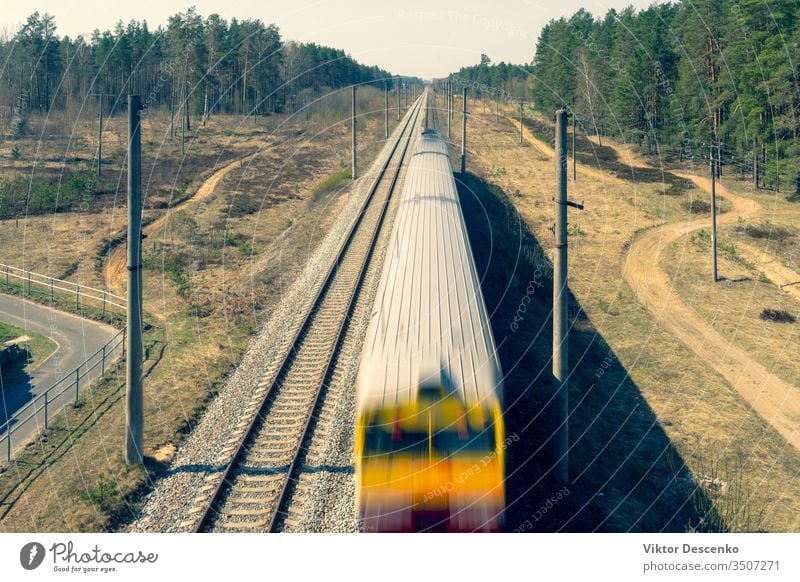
[77, 338]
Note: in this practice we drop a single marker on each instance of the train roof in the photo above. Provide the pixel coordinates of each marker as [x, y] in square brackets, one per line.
[429, 325]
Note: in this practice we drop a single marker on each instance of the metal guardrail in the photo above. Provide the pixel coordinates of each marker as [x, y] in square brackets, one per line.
[71, 381]
[29, 278]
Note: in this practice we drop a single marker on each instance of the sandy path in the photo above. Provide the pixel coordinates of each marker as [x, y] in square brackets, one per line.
[115, 272]
[545, 149]
[778, 273]
[774, 400]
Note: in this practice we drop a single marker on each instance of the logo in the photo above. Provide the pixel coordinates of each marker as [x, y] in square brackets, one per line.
[31, 555]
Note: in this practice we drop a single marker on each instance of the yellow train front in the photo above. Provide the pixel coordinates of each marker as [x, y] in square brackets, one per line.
[429, 434]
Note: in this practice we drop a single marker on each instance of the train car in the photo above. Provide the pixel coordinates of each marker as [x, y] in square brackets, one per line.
[429, 427]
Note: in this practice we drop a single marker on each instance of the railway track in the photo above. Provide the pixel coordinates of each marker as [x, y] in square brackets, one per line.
[252, 492]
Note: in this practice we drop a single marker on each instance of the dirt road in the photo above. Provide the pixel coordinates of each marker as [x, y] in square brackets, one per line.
[774, 400]
[115, 272]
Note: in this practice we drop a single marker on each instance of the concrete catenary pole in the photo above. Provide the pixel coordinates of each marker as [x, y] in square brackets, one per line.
[398, 100]
[713, 215]
[355, 159]
[184, 117]
[100, 144]
[574, 161]
[560, 290]
[386, 110]
[133, 363]
[449, 109]
[427, 109]
[464, 134]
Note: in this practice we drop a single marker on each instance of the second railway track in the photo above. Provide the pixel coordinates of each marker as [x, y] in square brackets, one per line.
[251, 493]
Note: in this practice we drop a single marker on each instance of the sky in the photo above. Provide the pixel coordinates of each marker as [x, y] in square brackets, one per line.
[410, 37]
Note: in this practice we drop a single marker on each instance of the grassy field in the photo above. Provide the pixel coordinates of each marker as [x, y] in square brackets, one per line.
[660, 441]
[213, 271]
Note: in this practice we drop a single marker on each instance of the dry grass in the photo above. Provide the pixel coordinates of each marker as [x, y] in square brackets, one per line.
[213, 273]
[697, 409]
[733, 307]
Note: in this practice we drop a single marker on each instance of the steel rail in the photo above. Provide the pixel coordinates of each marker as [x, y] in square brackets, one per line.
[230, 470]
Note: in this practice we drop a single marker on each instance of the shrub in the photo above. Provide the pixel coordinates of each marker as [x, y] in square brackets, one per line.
[104, 495]
[696, 206]
[767, 230]
[20, 128]
[777, 315]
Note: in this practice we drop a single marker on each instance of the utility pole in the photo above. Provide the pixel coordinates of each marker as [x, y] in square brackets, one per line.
[713, 160]
[398, 100]
[186, 106]
[449, 109]
[133, 363]
[355, 159]
[464, 135]
[560, 294]
[574, 161]
[100, 135]
[755, 164]
[427, 109]
[100, 144]
[386, 110]
[184, 119]
[521, 103]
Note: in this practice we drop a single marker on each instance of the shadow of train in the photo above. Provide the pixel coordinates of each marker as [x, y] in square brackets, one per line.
[625, 474]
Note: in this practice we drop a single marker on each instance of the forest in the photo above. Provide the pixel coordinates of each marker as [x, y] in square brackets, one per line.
[216, 66]
[676, 77]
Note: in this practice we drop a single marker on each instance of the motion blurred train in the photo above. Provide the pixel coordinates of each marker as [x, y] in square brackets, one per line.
[429, 428]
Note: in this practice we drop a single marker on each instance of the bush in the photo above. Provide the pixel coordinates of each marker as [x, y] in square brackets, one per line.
[777, 315]
[20, 128]
[723, 496]
[21, 195]
[44, 198]
[767, 230]
[104, 495]
[697, 206]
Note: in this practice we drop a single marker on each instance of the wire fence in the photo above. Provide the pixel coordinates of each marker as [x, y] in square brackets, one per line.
[25, 281]
[39, 410]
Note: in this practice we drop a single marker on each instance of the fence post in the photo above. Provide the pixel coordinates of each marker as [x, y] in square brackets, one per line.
[52, 298]
[8, 445]
[77, 297]
[45, 411]
[104, 308]
[8, 286]
[29, 283]
[103, 365]
[77, 384]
